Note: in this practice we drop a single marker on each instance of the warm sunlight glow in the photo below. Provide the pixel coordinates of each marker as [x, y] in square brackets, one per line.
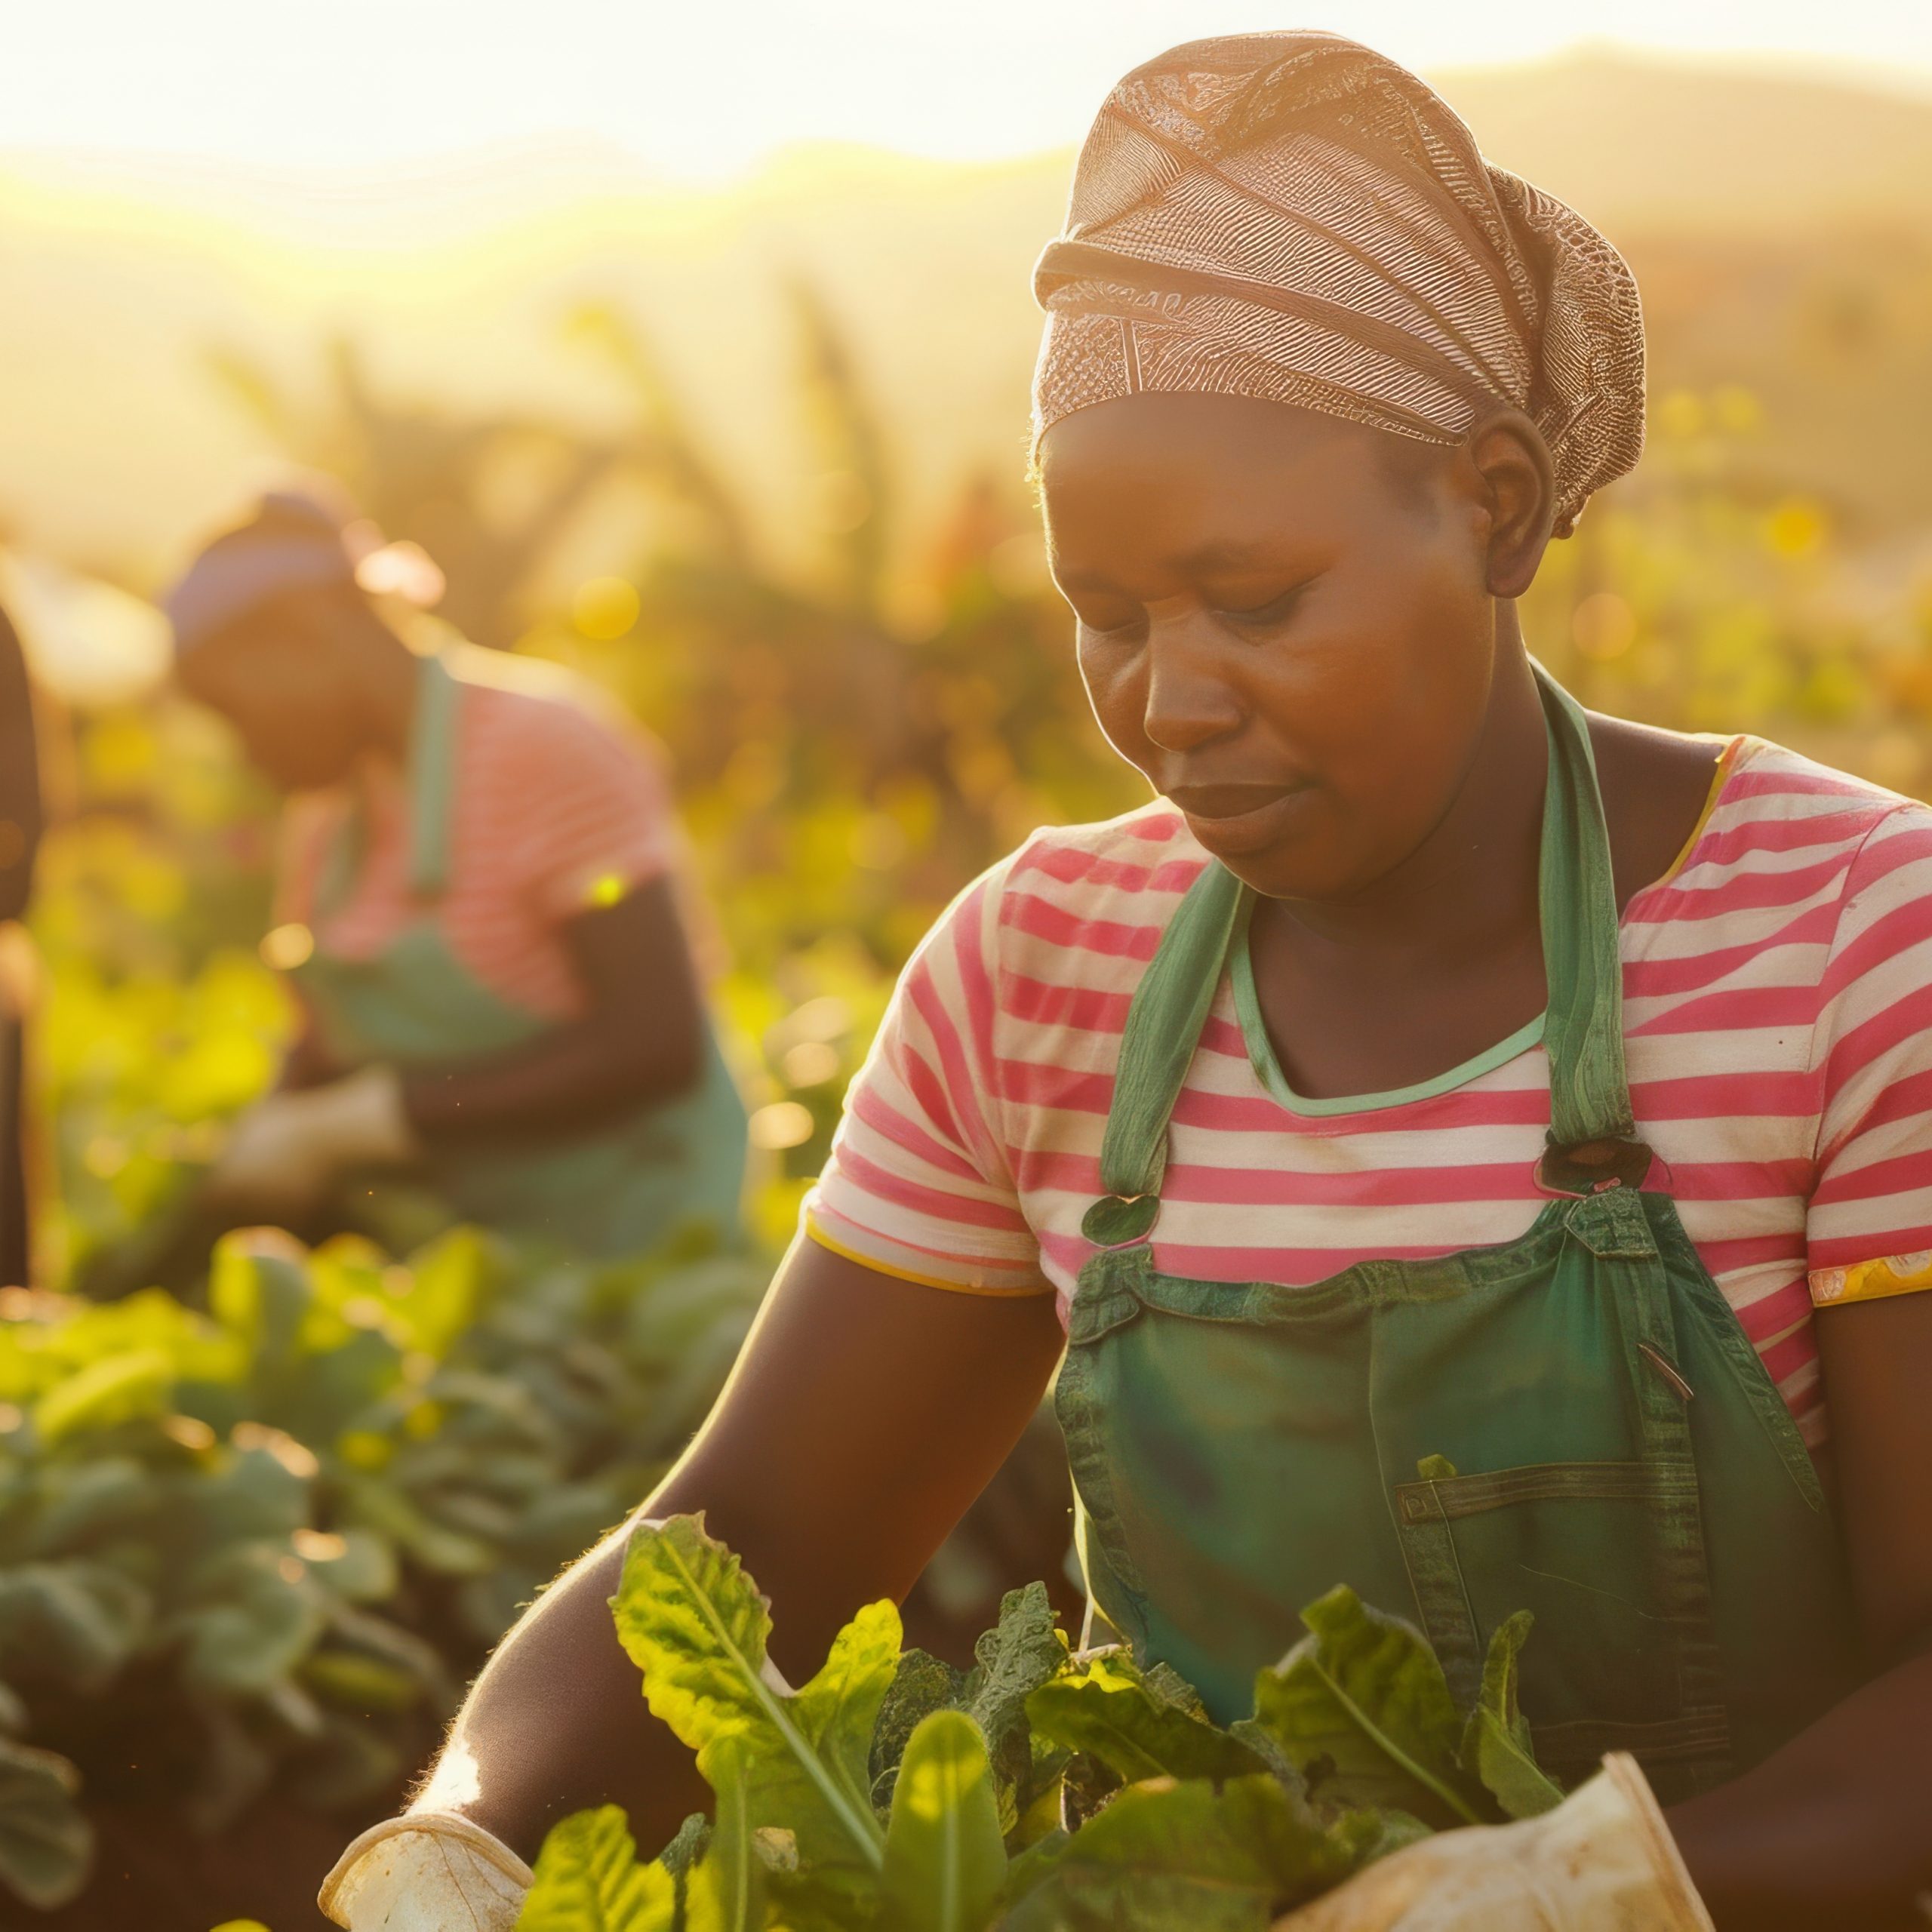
[702, 91]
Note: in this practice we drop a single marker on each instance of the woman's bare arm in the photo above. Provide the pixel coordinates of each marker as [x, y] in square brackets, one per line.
[640, 1038]
[1836, 1828]
[863, 1417]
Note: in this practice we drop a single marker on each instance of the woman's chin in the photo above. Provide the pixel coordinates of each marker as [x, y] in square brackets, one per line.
[1280, 848]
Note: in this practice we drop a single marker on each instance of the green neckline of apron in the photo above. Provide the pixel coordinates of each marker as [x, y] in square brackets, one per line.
[431, 777]
[1267, 1066]
[1582, 1027]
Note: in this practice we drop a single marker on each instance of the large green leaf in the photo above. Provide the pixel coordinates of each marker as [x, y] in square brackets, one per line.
[1165, 1854]
[837, 1709]
[376, 1504]
[351, 1681]
[590, 1879]
[249, 1618]
[357, 1565]
[1023, 1650]
[1362, 1701]
[1496, 1741]
[76, 1623]
[443, 1286]
[1106, 1709]
[46, 1844]
[116, 1389]
[259, 1492]
[944, 1854]
[922, 1684]
[259, 1289]
[695, 1625]
[83, 1503]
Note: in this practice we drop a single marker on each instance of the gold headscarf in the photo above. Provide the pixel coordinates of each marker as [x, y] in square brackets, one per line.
[1292, 217]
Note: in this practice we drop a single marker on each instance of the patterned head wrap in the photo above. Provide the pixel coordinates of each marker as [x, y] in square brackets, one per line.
[309, 537]
[1291, 217]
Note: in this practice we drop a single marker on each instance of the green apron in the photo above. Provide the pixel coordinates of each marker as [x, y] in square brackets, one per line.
[1572, 1424]
[618, 1189]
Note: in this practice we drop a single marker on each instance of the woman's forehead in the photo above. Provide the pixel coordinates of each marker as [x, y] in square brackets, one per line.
[1226, 464]
[1190, 429]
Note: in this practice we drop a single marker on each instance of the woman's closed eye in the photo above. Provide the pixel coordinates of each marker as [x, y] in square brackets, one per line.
[1122, 628]
[1258, 616]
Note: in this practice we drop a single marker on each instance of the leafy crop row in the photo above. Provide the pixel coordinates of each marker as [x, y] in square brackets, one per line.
[257, 1548]
[1043, 1791]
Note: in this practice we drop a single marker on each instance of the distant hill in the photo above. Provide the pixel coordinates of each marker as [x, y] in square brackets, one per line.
[1782, 226]
[1647, 145]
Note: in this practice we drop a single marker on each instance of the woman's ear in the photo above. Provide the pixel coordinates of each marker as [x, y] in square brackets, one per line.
[1518, 482]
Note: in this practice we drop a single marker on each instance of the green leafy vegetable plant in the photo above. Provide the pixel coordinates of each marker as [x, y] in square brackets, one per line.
[1042, 1791]
[248, 1553]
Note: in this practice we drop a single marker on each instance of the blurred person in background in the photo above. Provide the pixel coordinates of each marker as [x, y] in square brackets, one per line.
[19, 838]
[1446, 1142]
[479, 906]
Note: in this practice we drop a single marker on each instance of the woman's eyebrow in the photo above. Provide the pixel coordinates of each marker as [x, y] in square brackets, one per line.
[1270, 553]
[1219, 556]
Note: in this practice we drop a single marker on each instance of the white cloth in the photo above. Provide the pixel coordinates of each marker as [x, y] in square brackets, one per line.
[1603, 1861]
[285, 1150]
[426, 1872]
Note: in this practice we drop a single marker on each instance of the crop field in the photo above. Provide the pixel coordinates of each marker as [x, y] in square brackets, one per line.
[266, 1504]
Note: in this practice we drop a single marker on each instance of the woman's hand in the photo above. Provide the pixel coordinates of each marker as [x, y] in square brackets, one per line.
[1602, 1861]
[286, 1152]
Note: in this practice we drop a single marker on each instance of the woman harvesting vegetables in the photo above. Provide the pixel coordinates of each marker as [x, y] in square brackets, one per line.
[1465, 1148]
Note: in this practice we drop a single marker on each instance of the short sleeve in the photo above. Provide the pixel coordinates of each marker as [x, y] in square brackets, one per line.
[918, 1184]
[598, 821]
[1868, 1223]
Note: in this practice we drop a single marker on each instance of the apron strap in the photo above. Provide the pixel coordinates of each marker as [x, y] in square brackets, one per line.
[429, 783]
[1589, 1094]
[432, 760]
[1163, 1028]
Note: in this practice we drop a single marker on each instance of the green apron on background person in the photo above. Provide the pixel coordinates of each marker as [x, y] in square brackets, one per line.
[1572, 1423]
[619, 1188]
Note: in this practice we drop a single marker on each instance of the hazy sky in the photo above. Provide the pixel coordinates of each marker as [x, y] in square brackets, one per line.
[700, 88]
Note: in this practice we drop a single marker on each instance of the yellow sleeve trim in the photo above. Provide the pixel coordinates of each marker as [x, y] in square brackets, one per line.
[1726, 758]
[825, 1241]
[1872, 1281]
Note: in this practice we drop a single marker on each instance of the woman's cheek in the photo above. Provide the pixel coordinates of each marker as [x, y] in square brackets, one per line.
[1118, 693]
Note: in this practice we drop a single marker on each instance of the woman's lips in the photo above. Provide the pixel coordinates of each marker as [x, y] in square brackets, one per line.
[1237, 818]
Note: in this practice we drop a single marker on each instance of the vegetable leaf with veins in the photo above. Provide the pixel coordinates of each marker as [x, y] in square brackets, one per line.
[1362, 1701]
[694, 1623]
[1496, 1740]
[945, 1855]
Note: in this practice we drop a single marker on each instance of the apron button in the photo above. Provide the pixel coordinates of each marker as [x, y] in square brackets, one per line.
[1117, 1220]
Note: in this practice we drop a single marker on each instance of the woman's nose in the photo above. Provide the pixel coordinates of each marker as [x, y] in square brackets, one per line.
[1190, 701]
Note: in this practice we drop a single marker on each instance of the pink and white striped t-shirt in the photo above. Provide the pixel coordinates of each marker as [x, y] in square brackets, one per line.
[1777, 988]
[559, 805]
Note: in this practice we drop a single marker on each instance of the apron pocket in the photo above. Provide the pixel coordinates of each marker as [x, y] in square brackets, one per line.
[1586, 1549]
